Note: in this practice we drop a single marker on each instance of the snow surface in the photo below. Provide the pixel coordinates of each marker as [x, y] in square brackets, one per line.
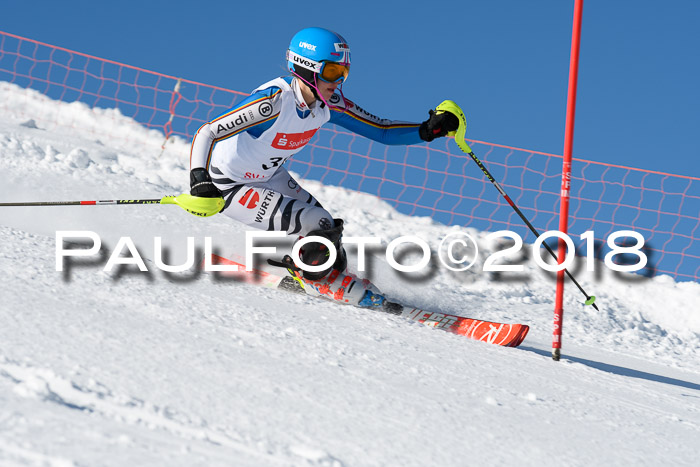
[132, 368]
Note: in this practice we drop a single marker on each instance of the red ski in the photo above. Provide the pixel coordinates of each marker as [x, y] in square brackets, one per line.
[507, 335]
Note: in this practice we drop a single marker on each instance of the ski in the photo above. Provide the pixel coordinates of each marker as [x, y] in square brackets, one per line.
[503, 334]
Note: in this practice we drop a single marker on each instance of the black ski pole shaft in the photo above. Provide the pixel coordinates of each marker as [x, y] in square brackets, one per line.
[84, 203]
[451, 107]
[200, 207]
[527, 222]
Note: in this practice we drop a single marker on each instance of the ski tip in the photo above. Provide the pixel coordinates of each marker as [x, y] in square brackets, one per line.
[520, 336]
[503, 334]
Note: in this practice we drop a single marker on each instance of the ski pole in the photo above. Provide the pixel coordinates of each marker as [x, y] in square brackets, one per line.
[202, 207]
[449, 106]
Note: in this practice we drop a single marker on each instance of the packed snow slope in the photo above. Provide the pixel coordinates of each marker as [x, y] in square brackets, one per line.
[134, 368]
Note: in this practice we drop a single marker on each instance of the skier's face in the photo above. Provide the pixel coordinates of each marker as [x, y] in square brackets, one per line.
[326, 89]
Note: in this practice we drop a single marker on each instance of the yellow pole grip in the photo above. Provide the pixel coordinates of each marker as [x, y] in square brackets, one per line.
[450, 106]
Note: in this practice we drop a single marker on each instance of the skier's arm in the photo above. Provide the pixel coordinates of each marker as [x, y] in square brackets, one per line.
[255, 114]
[359, 121]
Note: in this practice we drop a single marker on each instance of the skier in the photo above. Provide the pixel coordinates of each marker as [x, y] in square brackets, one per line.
[240, 155]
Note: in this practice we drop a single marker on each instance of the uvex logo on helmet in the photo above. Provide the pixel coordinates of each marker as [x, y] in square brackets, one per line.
[306, 45]
[304, 62]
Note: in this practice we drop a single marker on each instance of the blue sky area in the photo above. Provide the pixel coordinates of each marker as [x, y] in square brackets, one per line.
[505, 62]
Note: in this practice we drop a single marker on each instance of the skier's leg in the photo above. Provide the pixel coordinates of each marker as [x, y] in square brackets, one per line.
[270, 205]
[315, 253]
[335, 282]
[283, 182]
[273, 205]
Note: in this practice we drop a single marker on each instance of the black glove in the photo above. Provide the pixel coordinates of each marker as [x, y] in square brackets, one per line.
[438, 125]
[201, 184]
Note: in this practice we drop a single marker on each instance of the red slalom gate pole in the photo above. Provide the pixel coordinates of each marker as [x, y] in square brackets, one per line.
[566, 175]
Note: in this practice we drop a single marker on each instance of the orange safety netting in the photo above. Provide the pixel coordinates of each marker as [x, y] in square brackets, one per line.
[435, 180]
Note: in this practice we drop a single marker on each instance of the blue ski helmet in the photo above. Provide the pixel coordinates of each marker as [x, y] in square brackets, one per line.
[321, 52]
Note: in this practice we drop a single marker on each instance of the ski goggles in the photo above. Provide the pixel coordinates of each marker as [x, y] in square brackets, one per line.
[332, 72]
